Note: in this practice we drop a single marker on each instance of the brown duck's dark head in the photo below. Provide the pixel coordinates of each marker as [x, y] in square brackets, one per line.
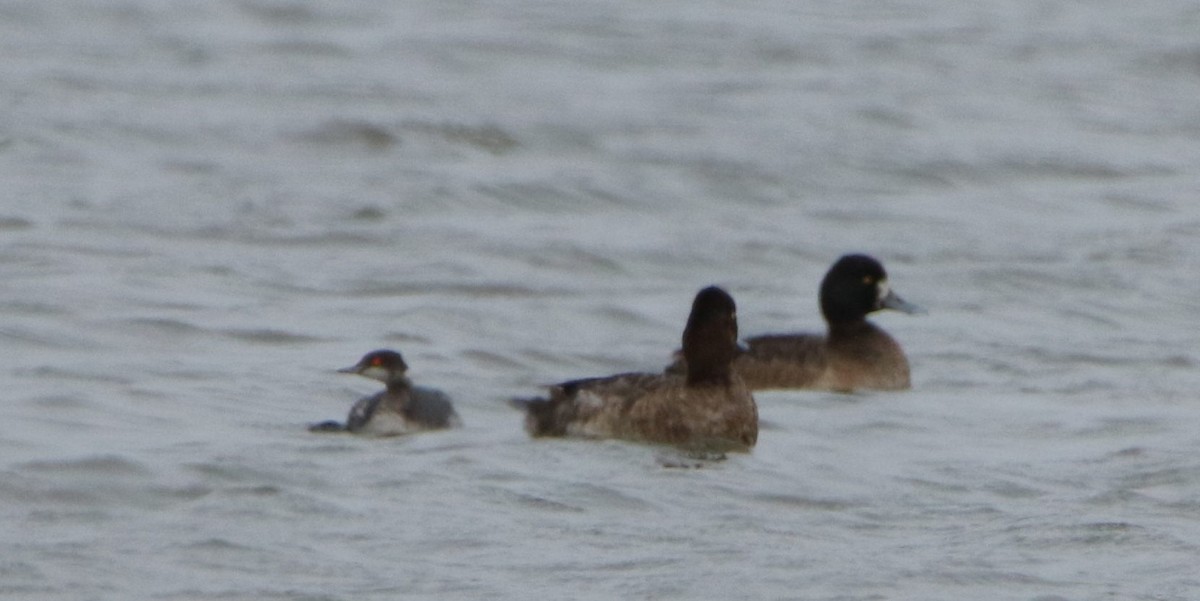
[855, 286]
[382, 365]
[710, 338]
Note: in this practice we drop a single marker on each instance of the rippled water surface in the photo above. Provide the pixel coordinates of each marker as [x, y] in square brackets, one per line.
[208, 207]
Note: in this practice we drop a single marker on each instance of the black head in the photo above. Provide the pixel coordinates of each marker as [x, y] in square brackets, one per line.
[855, 286]
[382, 365]
[710, 338]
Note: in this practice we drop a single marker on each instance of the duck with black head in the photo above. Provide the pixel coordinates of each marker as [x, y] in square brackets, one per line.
[704, 408]
[400, 408]
[853, 354]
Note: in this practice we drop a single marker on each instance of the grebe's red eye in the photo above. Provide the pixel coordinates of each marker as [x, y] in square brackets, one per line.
[376, 361]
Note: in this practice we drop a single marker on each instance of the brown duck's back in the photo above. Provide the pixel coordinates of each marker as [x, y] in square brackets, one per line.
[585, 407]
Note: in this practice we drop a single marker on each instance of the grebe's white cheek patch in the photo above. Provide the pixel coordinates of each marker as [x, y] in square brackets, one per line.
[375, 373]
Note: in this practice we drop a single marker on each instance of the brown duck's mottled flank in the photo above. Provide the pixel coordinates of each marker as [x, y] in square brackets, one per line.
[708, 407]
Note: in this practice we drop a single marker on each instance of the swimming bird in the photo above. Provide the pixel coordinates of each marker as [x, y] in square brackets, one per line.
[853, 354]
[400, 408]
[706, 408]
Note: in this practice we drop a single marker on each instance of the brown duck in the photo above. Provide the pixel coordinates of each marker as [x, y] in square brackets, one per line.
[705, 407]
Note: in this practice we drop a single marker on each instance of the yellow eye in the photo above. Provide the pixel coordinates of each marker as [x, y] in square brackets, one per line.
[868, 280]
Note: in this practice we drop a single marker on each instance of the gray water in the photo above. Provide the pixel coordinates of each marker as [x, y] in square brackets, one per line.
[208, 207]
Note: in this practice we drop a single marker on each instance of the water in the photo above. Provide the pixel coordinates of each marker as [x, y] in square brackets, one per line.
[208, 208]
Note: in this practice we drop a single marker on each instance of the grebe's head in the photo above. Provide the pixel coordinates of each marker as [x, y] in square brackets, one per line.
[382, 365]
